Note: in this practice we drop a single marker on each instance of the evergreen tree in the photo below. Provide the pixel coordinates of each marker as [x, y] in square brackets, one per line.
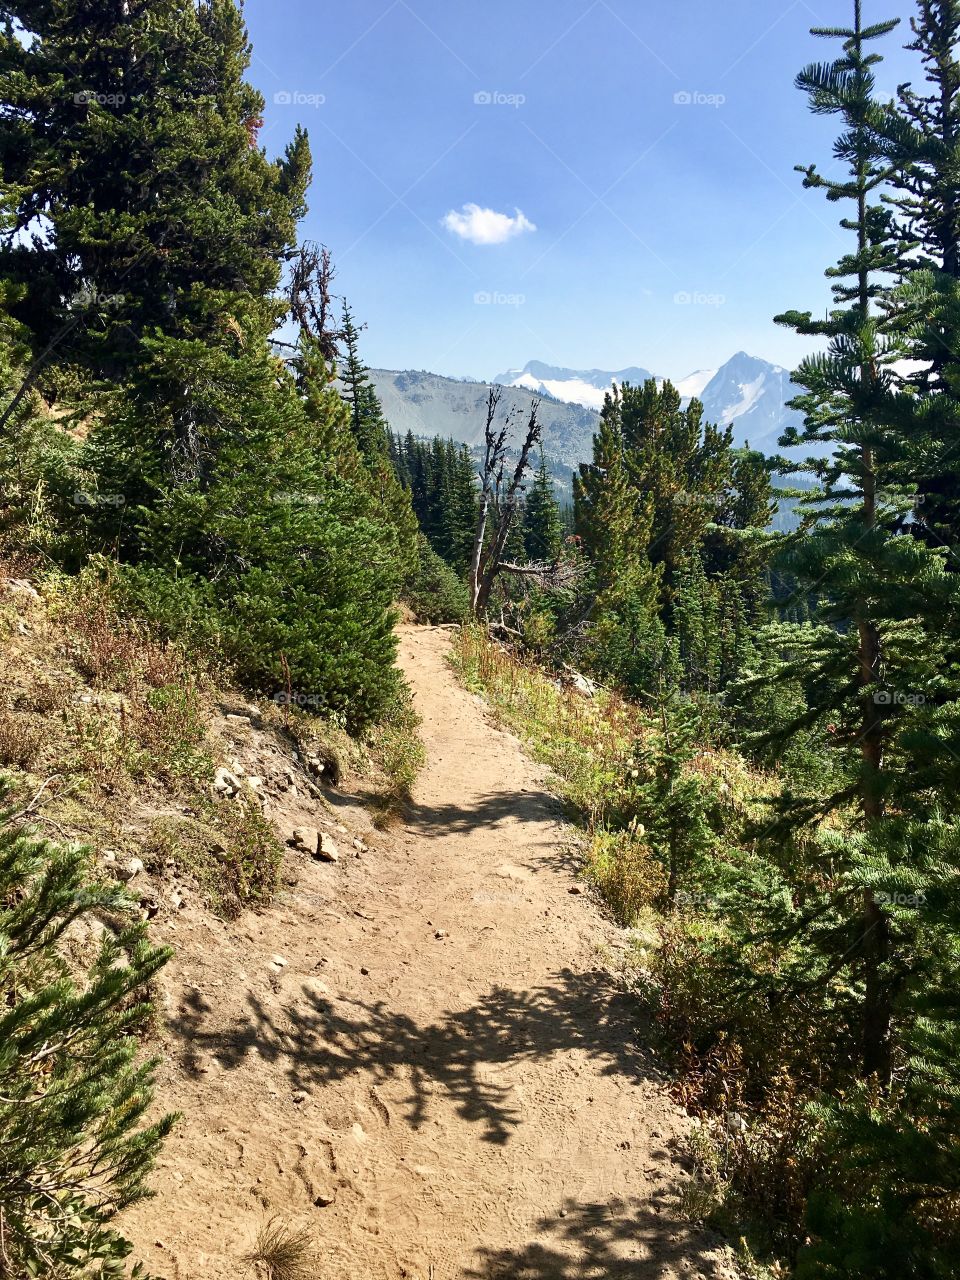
[614, 520]
[460, 507]
[683, 464]
[542, 523]
[443, 491]
[225, 474]
[668, 798]
[136, 199]
[38, 477]
[670, 502]
[294, 556]
[860, 924]
[696, 625]
[847, 406]
[614, 523]
[370, 430]
[438, 470]
[920, 139]
[371, 439]
[893, 1208]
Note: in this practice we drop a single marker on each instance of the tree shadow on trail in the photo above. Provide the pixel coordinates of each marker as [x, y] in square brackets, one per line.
[612, 1241]
[482, 812]
[319, 1041]
[474, 813]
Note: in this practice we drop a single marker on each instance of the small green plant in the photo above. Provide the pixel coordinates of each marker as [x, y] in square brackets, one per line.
[624, 868]
[73, 1093]
[230, 850]
[169, 727]
[396, 746]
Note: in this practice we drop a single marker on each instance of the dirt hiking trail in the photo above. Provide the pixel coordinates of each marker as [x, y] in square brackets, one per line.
[418, 1053]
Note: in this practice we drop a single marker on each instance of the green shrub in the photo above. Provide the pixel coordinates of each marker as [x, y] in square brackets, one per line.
[273, 539]
[397, 747]
[435, 593]
[626, 871]
[72, 1093]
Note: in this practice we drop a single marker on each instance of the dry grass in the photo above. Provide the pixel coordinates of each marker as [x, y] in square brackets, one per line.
[21, 740]
[585, 741]
[590, 745]
[282, 1252]
[108, 651]
[397, 750]
[120, 722]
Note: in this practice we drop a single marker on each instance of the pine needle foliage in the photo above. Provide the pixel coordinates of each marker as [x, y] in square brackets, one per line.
[74, 1090]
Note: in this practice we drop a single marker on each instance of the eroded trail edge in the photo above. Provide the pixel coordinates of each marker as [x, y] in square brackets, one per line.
[420, 1053]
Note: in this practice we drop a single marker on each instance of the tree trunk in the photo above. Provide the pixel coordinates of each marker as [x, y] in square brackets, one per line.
[476, 563]
[875, 929]
[485, 562]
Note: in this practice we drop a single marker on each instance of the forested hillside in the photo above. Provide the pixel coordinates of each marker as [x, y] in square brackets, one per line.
[754, 718]
[428, 405]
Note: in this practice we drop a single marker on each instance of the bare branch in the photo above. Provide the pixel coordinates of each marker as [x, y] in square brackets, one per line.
[487, 558]
[312, 298]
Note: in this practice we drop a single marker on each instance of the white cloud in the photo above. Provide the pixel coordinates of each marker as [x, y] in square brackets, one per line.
[486, 226]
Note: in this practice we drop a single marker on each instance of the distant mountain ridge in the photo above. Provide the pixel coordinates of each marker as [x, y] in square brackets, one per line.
[578, 386]
[747, 392]
[429, 405]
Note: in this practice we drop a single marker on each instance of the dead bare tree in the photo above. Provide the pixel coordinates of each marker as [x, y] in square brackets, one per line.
[312, 298]
[561, 574]
[496, 500]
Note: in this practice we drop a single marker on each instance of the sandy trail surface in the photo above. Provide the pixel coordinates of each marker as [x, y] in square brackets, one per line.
[419, 1053]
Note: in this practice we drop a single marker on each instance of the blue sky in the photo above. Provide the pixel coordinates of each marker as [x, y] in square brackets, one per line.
[637, 227]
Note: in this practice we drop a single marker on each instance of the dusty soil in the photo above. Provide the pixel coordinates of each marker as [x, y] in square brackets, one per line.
[420, 1053]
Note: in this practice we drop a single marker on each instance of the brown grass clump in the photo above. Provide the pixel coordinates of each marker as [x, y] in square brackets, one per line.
[282, 1252]
[626, 872]
[21, 739]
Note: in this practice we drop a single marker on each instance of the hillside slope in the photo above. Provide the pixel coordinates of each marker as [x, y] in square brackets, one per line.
[429, 405]
[749, 393]
[419, 1054]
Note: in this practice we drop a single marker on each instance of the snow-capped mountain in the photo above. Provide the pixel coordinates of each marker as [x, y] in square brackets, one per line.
[750, 393]
[576, 386]
[695, 383]
[429, 405]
